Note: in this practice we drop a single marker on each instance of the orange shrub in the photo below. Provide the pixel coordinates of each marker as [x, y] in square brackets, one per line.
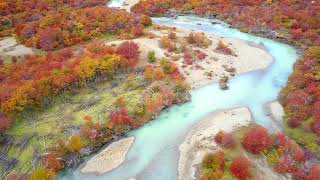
[224, 49]
[166, 43]
[199, 39]
[214, 163]
[51, 162]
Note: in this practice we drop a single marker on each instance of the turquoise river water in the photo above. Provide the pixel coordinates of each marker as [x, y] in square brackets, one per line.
[154, 154]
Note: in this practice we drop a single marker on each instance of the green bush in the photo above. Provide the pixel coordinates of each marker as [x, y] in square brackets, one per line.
[272, 157]
[166, 65]
[151, 57]
[139, 110]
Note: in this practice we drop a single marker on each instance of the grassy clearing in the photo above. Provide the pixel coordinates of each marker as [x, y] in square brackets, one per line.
[57, 121]
[305, 138]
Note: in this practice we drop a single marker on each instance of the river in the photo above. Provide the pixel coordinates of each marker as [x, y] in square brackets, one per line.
[154, 154]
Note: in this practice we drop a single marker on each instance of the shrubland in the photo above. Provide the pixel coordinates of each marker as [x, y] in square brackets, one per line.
[198, 39]
[189, 47]
[90, 94]
[301, 98]
[51, 25]
[282, 154]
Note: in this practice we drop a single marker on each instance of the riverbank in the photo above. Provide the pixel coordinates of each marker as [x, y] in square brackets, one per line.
[109, 158]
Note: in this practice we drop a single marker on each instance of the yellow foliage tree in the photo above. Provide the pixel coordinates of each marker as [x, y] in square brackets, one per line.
[75, 144]
[41, 173]
[109, 64]
[87, 68]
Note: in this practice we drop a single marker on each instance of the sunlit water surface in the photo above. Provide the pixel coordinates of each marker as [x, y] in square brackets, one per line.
[154, 154]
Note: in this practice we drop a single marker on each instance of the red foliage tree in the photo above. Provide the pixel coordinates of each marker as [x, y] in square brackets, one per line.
[296, 33]
[130, 52]
[172, 35]
[188, 58]
[240, 167]
[137, 31]
[280, 140]
[316, 109]
[315, 127]
[224, 139]
[256, 140]
[291, 158]
[314, 173]
[286, 164]
[201, 55]
[5, 122]
[294, 122]
[121, 117]
[203, 177]
[66, 23]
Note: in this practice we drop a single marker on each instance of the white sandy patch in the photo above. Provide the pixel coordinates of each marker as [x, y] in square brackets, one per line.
[276, 112]
[127, 4]
[249, 58]
[199, 141]
[10, 47]
[109, 158]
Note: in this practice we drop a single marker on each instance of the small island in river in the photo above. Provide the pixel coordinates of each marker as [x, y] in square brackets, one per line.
[109, 158]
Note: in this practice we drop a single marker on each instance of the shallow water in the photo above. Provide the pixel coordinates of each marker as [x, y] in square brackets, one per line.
[154, 154]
